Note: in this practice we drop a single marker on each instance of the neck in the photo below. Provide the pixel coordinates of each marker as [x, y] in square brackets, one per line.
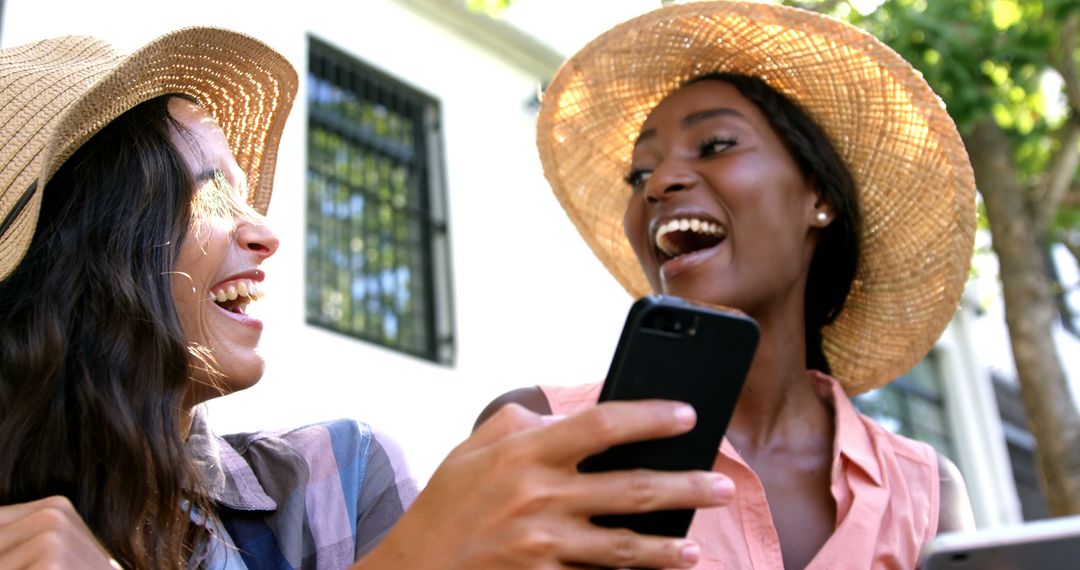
[778, 404]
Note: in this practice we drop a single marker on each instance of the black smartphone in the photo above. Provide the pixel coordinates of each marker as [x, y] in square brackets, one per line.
[676, 350]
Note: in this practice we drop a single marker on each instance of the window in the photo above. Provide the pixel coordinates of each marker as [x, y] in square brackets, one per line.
[912, 405]
[1021, 446]
[377, 245]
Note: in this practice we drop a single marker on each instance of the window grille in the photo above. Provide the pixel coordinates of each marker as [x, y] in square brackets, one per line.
[377, 244]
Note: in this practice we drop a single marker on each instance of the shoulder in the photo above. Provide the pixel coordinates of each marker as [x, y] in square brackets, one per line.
[926, 469]
[531, 397]
[955, 513]
[343, 452]
[336, 436]
[309, 454]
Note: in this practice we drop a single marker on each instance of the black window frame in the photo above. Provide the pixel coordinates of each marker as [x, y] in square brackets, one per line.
[415, 143]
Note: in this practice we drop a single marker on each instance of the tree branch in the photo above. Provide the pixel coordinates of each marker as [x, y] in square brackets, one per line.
[1061, 172]
[1066, 64]
[1063, 165]
[1072, 247]
[821, 6]
[827, 6]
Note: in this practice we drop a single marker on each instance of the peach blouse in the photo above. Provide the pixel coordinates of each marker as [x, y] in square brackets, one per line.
[885, 487]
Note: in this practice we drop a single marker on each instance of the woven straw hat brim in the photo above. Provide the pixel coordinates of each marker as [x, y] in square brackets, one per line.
[915, 182]
[57, 93]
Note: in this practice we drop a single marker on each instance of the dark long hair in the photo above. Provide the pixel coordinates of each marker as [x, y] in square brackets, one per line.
[93, 361]
[835, 261]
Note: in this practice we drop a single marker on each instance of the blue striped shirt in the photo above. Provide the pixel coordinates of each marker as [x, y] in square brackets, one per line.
[315, 497]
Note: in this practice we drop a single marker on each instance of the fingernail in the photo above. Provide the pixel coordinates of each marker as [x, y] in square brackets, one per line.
[550, 419]
[685, 415]
[723, 487]
[691, 552]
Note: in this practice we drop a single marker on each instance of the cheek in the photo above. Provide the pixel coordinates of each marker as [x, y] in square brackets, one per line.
[634, 226]
[187, 308]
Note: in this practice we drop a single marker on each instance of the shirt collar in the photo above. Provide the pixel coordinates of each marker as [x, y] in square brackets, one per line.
[852, 440]
[227, 479]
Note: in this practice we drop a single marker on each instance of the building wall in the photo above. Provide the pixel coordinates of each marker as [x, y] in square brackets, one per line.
[532, 305]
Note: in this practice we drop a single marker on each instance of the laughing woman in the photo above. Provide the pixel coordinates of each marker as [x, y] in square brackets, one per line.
[790, 166]
[132, 190]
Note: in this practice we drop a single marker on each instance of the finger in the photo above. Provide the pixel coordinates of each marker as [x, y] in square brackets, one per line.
[11, 537]
[49, 551]
[642, 491]
[21, 539]
[17, 511]
[593, 546]
[511, 418]
[608, 424]
[49, 534]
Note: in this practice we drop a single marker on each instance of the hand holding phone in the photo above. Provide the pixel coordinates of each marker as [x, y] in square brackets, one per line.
[676, 350]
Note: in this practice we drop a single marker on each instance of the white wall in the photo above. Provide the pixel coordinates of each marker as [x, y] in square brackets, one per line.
[532, 304]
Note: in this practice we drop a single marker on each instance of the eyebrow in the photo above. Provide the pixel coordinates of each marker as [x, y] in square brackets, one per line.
[693, 119]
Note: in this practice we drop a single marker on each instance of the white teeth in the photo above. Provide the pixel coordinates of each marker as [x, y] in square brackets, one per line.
[669, 247]
[244, 288]
[690, 224]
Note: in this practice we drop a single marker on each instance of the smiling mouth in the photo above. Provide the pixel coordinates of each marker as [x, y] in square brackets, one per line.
[681, 236]
[237, 295]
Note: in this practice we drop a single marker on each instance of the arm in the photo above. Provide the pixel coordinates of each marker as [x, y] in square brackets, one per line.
[532, 398]
[388, 490]
[955, 513]
[510, 496]
[48, 533]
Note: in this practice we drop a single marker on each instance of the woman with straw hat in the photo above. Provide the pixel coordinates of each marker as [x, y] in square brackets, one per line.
[791, 166]
[132, 189]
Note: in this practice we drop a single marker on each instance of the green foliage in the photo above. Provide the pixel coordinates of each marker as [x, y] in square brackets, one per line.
[987, 58]
[490, 7]
[982, 56]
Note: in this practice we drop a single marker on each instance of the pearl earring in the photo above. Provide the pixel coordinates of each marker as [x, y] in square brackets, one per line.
[822, 217]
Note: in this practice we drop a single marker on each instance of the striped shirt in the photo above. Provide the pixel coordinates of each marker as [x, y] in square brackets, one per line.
[315, 497]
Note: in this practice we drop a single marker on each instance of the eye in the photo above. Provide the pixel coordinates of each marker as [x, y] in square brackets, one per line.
[716, 145]
[637, 178]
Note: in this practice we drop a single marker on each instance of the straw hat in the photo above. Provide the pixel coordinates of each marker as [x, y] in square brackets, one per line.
[57, 93]
[915, 183]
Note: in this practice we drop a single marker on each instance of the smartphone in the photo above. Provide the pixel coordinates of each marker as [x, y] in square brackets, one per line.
[673, 349]
[1048, 544]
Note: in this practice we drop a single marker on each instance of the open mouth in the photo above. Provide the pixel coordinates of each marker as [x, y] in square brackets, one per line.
[235, 296]
[681, 236]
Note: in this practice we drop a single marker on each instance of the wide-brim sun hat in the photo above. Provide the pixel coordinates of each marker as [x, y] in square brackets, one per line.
[914, 178]
[57, 93]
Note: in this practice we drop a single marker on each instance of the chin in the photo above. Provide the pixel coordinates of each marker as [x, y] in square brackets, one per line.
[237, 380]
[696, 290]
[231, 379]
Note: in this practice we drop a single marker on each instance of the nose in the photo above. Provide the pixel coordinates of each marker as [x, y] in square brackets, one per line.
[669, 177]
[257, 237]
